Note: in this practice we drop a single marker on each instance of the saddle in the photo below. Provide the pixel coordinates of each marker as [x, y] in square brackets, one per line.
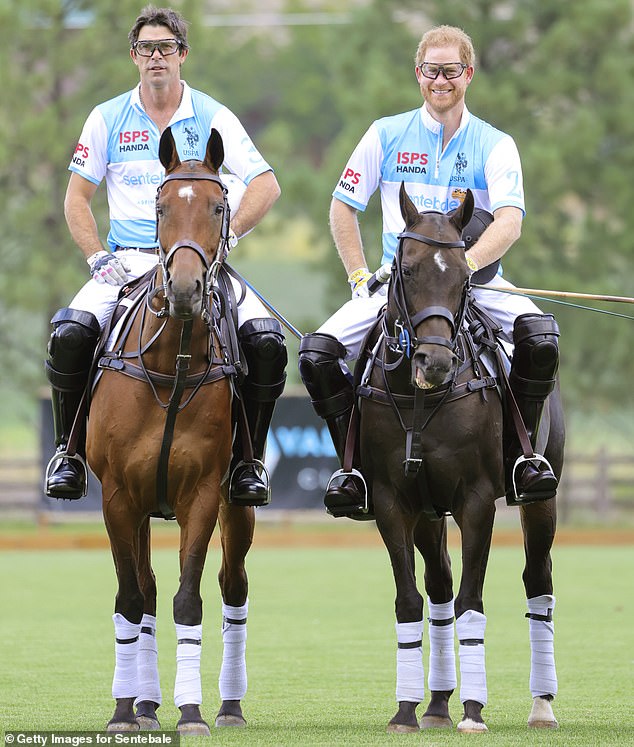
[478, 347]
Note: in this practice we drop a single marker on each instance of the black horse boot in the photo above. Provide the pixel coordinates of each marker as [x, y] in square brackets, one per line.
[332, 397]
[70, 351]
[533, 377]
[264, 349]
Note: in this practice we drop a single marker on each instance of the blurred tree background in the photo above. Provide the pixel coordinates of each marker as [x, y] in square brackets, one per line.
[307, 78]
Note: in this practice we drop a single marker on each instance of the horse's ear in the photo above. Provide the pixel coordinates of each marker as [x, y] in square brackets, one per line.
[408, 209]
[215, 154]
[168, 155]
[462, 215]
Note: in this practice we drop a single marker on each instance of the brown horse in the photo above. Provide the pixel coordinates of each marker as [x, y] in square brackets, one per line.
[160, 443]
[431, 435]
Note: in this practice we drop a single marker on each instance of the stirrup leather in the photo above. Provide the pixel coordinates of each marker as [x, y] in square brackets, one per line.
[337, 478]
[262, 472]
[58, 457]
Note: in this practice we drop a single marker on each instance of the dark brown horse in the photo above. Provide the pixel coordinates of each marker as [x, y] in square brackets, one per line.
[160, 440]
[431, 445]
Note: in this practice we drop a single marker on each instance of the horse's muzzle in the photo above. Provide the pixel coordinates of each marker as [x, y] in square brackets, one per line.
[185, 298]
[432, 366]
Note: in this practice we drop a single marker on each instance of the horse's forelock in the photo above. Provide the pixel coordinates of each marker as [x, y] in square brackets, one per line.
[434, 223]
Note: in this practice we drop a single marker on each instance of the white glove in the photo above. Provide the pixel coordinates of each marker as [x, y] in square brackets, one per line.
[106, 267]
[358, 281]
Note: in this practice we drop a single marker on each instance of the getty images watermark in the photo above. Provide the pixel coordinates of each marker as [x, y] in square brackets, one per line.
[90, 738]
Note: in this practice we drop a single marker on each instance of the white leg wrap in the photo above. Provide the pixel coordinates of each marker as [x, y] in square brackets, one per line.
[188, 687]
[233, 672]
[543, 679]
[470, 628]
[126, 647]
[410, 673]
[147, 662]
[442, 652]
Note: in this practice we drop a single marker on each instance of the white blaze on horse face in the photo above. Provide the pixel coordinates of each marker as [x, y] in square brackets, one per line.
[440, 261]
[187, 193]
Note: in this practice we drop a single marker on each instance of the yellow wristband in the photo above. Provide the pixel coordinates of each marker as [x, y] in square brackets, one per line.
[471, 264]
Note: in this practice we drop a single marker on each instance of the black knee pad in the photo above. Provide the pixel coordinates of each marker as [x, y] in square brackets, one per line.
[320, 357]
[264, 349]
[536, 354]
[70, 348]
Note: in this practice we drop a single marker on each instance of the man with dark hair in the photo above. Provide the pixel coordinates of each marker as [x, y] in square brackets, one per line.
[119, 142]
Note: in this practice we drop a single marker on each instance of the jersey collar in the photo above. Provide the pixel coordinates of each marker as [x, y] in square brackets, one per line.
[184, 111]
[435, 126]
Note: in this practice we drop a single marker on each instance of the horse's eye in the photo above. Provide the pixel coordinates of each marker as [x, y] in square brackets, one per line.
[159, 210]
[220, 209]
[406, 272]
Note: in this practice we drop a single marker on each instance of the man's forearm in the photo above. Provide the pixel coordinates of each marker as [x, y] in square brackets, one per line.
[344, 226]
[257, 200]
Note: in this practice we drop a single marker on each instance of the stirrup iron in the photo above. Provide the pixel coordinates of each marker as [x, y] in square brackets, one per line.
[57, 457]
[260, 468]
[339, 477]
[523, 460]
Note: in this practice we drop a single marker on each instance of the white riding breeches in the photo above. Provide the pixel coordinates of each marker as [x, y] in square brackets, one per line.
[101, 299]
[353, 320]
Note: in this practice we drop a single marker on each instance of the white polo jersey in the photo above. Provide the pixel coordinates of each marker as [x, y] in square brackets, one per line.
[121, 143]
[407, 148]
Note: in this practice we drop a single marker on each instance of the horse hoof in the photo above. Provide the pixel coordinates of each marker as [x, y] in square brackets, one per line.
[228, 719]
[542, 716]
[194, 729]
[401, 729]
[118, 726]
[147, 723]
[436, 722]
[469, 726]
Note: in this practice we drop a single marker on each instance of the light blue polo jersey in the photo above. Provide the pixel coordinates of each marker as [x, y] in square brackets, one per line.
[407, 148]
[120, 142]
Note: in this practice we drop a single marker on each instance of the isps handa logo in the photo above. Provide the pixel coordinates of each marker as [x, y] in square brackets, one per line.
[80, 155]
[349, 180]
[131, 140]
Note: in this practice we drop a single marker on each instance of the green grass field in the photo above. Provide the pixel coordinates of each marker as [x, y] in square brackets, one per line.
[321, 648]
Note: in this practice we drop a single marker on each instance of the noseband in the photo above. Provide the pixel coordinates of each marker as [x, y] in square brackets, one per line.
[405, 325]
[211, 268]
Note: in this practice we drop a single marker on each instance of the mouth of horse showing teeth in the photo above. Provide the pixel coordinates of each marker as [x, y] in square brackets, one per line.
[421, 383]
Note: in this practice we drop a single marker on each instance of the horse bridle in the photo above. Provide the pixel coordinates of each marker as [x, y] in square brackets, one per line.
[405, 325]
[211, 268]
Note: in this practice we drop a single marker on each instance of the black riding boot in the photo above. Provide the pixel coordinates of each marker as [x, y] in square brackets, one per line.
[532, 378]
[332, 397]
[262, 343]
[70, 352]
